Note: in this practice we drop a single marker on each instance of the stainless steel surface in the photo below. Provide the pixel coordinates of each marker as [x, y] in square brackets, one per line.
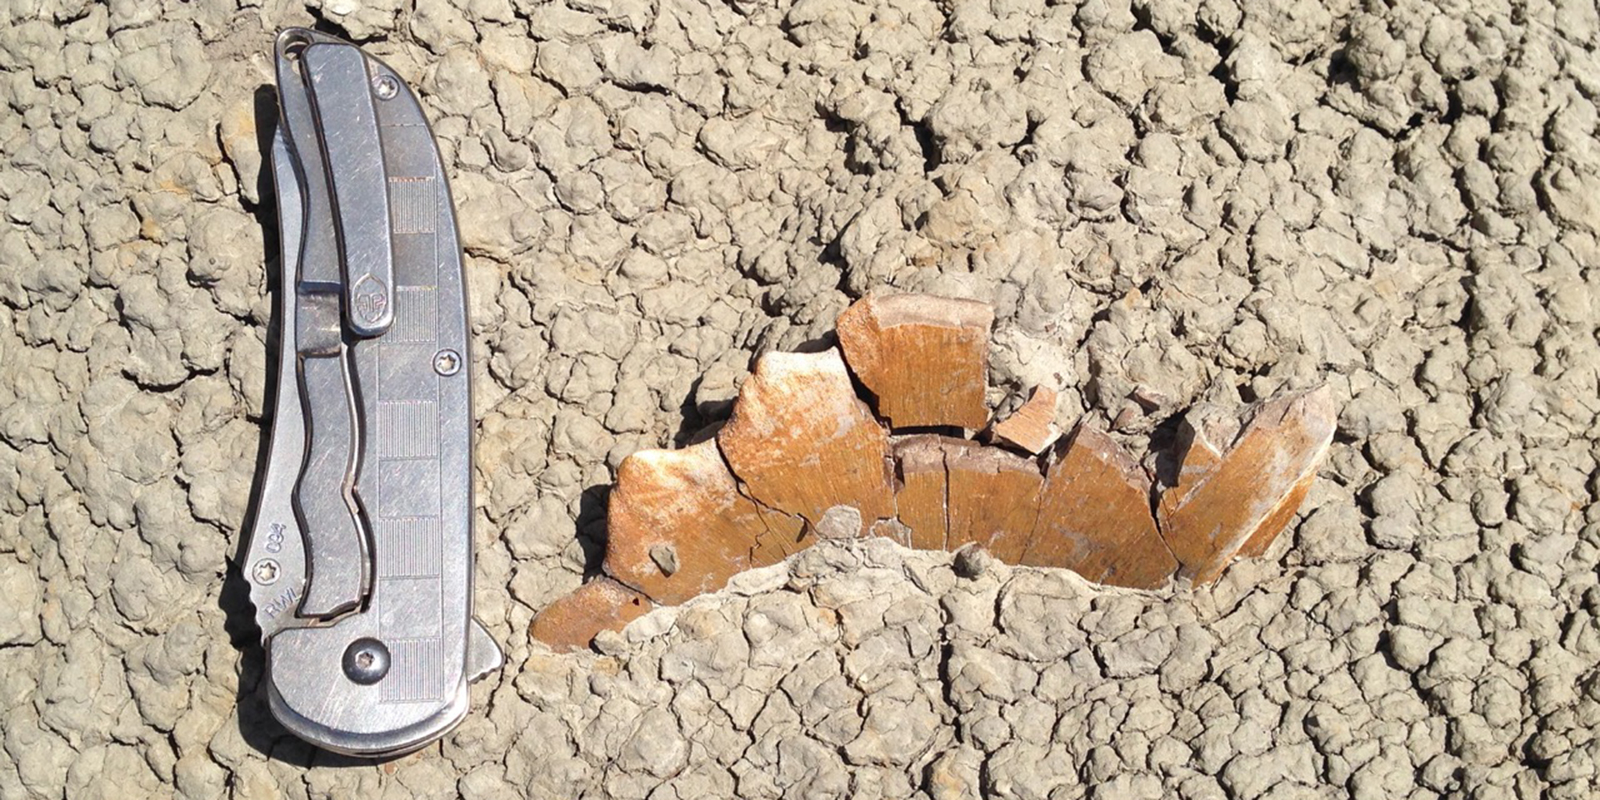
[483, 653]
[275, 535]
[336, 548]
[365, 507]
[341, 96]
[317, 256]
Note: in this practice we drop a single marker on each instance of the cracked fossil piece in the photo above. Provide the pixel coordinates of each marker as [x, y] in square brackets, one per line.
[679, 526]
[925, 359]
[1032, 426]
[572, 621]
[1243, 500]
[1094, 517]
[992, 498]
[1204, 434]
[802, 442]
[920, 488]
[804, 459]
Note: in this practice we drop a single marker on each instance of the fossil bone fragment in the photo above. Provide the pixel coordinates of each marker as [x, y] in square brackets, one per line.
[921, 488]
[993, 499]
[678, 525]
[925, 359]
[573, 620]
[1244, 500]
[1095, 519]
[802, 442]
[1032, 426]
[804, 458]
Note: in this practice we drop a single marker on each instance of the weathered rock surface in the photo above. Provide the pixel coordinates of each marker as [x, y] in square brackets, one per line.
[1166, 202]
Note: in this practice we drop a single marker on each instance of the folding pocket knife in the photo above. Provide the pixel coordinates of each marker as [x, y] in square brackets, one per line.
[360, 556]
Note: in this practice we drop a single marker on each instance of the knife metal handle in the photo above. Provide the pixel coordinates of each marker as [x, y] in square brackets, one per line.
[338, 561]
[360, 561]
[342, 96]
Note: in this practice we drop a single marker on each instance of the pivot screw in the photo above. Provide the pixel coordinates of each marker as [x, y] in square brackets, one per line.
[447, 362]
[366, 661]
[266, 572]
[385, 87]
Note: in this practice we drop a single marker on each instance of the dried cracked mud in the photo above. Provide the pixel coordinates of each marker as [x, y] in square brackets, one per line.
[1167, 201]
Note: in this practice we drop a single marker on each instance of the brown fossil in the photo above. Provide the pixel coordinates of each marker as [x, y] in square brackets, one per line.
[802, 442]
[1238, 499]
[679, 526]
[804, 457]
[925, 359]
[573, 620]
[1033, 426]
[992, 500]
[1095, 516]
[920, 494]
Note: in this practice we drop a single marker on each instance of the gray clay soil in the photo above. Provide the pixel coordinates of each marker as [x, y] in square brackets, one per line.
[1166, 202]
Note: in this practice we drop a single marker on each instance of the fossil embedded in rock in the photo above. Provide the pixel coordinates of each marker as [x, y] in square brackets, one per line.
[993, 499]
[678, 525]
[1094, 517]
[1204, 434]
[924, 359]
[1247, 497]
[803, 458]
[920, 488]
[801, 442]
[572, 621]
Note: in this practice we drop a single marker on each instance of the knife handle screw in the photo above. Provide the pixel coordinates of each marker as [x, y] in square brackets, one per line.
[366, 661]
[385, 87]
[447, 362]
[266, 572]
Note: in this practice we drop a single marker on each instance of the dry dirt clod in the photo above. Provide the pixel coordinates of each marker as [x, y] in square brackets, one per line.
[679, 527]
[1094, 516]
[801, 442]
[1257, 487]
[972, 561]
[571, 622]
[1032, 426]
[924, 358]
